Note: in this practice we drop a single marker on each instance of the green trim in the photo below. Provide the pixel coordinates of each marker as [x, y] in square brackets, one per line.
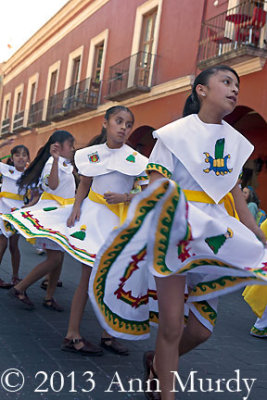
[159, 168]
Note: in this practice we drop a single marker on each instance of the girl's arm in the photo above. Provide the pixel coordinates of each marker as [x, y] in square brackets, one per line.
[82, 192]
[6, 142]
[245, 215]
[53, 180]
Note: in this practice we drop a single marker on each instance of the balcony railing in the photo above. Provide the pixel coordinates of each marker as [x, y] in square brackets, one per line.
[35, 118]
[237, 34]
[18, 125]
[77, 99]
[5, 128]
[131, 76]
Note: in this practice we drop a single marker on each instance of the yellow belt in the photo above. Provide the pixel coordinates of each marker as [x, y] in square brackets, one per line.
[119, 209]
[202, 197]
[12, 196]
[58, 199]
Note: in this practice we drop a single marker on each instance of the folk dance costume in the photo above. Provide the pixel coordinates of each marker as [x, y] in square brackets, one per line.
[114, 170]
[10, 198]
[35, 222]
[215, 252]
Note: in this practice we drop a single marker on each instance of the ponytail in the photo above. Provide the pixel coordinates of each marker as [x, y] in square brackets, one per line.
[31, 176]
[192, 105]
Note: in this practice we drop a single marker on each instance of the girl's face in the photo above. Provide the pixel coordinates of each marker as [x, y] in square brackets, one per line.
[20, 159]
[67, 149]
[118, 128]
[246, 193]
[221, 92]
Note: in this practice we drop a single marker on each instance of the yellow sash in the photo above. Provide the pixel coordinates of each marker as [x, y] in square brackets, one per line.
[202, 197]
[58, 199]
[119, 209]
[12, 196]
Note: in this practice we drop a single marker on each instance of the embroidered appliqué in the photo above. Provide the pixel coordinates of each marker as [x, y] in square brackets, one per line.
[131, 157]
[80, 235]
[65, 164]
[94, 157]
[216, 242]
[218, 164]
[11, 171]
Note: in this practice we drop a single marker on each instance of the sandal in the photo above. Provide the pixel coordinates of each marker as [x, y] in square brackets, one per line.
[44, 284]
[148, 366]
[15, 280]
[114, 346]
[51, 304]
[5, 285]
[15, 294]
[88, 349]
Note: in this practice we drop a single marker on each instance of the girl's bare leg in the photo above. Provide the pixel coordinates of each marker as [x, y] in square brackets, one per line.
[53, 260]
[53, 279]
[171, 310]
[3, 246]
[78, 305]
[15, 254]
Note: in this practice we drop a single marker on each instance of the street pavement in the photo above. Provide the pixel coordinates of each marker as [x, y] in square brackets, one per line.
[30, 345]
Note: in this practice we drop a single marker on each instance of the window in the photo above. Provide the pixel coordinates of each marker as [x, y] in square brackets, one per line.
[53, 83]
[6, 113]
[99, 49]
[74, 67]
[75, 70]
[18, 103]
[145, 42]
[33, 93]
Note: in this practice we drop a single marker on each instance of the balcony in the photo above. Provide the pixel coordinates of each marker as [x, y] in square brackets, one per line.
[5, 128]
[35, 118]
[235, 36]
[77, 99]
[18, 125]
[131, 77]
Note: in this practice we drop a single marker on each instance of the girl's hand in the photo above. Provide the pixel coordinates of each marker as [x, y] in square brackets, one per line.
[260, 235]
[115, 198]
[55, 150]
[74, 216]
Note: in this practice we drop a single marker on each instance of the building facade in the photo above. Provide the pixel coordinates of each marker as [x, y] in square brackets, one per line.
[140, 53]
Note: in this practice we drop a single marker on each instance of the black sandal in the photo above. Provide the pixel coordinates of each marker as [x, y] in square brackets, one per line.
[148, 367]
[88, 349]
[44, 284]
[114, 346]
[51, 304]
[15, 294]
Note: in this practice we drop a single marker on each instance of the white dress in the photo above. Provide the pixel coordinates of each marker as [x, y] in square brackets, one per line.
[216, 252]
[114, 170]
[9, 189]
[37, 217]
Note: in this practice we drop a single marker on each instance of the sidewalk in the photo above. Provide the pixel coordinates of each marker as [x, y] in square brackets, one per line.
[30, 342]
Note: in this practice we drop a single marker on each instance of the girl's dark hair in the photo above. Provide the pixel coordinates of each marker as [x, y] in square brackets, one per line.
[15, 150]
[102, 138]
[30, 177]
[192, 104]
[252, 197]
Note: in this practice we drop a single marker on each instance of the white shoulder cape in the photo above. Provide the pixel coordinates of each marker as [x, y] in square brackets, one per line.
[213, 154]
[100, 160]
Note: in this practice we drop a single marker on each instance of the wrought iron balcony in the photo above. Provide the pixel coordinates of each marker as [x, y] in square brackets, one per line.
[5, 128]
[18, 125]
[35, 118]
[77, 99]
[131, 76]
[234, 36]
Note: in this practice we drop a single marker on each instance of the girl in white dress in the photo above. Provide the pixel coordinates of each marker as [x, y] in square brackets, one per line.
[53, 170]
[10, 199]
[108, 170]
[213, 254]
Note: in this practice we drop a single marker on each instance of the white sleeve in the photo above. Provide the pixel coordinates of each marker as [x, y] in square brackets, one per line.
[161, 160]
